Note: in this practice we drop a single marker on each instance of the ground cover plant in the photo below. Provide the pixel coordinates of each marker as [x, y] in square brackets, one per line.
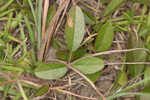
[74, 50]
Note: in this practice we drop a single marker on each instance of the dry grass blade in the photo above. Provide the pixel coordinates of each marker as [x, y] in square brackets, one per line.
[82, 75]
[88, 38]
[6, 82]
[25, 81]
[73, 94]
[114, 51]
[5, 75]
[51, 28]
[31, 83]
[39, 97]
[132, 28]
[57, 27]
[128, 63]
[46, 5]
[21, 79]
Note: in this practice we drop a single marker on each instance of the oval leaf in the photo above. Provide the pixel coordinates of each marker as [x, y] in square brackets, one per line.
[75, 28]
[104, 38]
[89, 65]
[50, 70]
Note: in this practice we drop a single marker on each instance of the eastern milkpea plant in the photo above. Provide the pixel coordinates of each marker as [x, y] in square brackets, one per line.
[75, 32]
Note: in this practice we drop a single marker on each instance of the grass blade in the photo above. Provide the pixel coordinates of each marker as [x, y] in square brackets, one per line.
[125, 94]
[22, 91]
[135, 85]
[39, 22]
[32, 37]
[6, 5]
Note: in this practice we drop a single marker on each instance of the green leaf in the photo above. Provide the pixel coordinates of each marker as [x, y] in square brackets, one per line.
[51, 13]
[135, 56]
[64, 55]
[144, 97]
[145, 90]
[122, 79]
[50, 70]
[146, 84]
[104, 38]
[2, 43]
[89, 65]
[75, 28]
[145, 31]
[112, 6]
[88, 17]
[146, 75]
[94, 77]
[117, 95]
[5, 6]
[41, 91]
[129, 15]
[148, 19]
[15, 23]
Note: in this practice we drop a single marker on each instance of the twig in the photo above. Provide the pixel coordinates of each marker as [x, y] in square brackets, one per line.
[90, 82]
[25, 81]
[73, 94]
[88, 38]
[127, 63]
[135, 31]
[114, 51]
[31, 83]
[40, 97]
[82, 75]
[21, 79]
